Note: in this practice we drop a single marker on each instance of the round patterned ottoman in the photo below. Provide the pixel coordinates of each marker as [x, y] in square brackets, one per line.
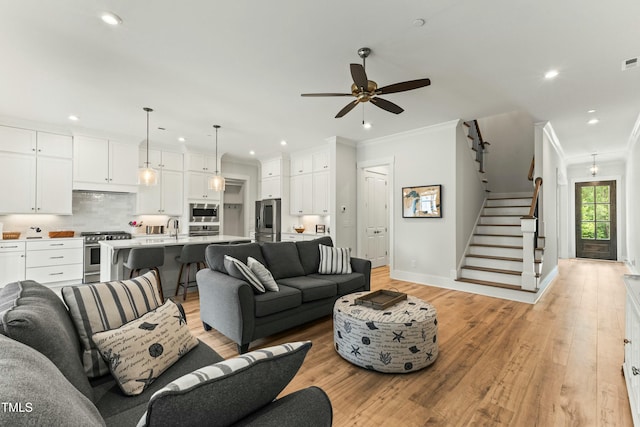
[400, 338]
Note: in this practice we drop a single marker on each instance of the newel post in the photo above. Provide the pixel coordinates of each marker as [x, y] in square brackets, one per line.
[529, 276]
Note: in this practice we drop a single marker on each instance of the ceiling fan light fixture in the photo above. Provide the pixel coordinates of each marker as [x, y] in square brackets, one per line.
[111, 19]
[216, 182]
[366, 125]
[147, 176]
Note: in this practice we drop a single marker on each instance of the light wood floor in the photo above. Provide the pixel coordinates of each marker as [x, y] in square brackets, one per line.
[501, 363]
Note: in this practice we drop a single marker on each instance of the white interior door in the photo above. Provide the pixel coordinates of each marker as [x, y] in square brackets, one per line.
[376, 218]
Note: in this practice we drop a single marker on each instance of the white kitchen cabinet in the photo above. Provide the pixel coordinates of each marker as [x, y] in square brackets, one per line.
[165, 198]
[54, 260]
[320, 160]
[159, 159]
[271, 188]
[271, 168]
[199, 187]
[102, 164]
[199, 162]
[320, 193]
[12, 261]
[631, 365]
[301, 194]
[17, 140]
[301, 164]
[37, 180]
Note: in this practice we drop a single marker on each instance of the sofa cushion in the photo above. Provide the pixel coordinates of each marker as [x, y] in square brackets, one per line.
[215, 254]
[334, 260]
[140, 350]
[310, 254]
[347, 283]
[104, 306]
[119, 409]
[275, 302]
[263, 274]
[42, 394]
[282, 259]
[227, 391]
[240, 270]
[34, 315]
[311, 288]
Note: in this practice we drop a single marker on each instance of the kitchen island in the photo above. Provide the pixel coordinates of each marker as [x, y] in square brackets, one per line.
[113, 254]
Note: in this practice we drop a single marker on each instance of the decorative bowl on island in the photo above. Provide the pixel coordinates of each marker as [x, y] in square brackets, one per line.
[299, 228]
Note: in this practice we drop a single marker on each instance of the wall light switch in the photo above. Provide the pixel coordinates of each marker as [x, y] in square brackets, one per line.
[343, 208]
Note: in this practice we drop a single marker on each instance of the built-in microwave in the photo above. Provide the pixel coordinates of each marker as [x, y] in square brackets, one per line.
[203, 212]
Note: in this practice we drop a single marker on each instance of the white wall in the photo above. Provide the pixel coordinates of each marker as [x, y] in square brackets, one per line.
[423, 249]
[607, 171]
[511, 139]
[342, 153]
[633, 206]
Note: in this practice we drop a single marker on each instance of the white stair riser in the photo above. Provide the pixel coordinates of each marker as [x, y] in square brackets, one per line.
[496, 229]
[505, 210]
[507, 220]
[498, 240]
[483, 250]
[494, 263]
[489, 276]
[509, 202]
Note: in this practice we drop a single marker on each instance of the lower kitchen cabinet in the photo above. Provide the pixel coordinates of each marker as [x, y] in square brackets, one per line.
[12, 261]
[631, 365]
[54, 260]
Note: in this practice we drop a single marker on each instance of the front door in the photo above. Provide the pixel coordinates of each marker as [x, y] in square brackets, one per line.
[596, 220]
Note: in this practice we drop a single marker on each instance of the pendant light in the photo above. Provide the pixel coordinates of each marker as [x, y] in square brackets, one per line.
[594, 169]
[216, 182]
[147, 175]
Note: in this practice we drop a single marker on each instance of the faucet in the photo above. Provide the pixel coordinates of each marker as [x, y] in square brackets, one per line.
[173, 224]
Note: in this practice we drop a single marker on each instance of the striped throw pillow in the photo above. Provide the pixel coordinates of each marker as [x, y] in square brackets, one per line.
[239, 270]
[334, 260]
[227, 391]
[109, 305]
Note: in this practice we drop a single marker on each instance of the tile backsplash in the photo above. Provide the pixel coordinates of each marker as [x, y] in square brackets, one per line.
[92, 211]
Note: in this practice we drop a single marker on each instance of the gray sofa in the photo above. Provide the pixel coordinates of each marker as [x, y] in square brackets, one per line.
[230, 305]
[43, 382]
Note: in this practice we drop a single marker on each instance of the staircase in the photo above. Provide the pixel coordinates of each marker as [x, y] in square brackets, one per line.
[495, 254]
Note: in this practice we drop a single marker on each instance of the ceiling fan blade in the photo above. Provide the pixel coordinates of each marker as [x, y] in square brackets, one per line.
[386, 105]
[359, 76]
[401, 87]
[350, 106]
[326, 94]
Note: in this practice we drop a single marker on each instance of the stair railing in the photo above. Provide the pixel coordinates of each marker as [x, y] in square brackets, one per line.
[531, 167]
[529, 225]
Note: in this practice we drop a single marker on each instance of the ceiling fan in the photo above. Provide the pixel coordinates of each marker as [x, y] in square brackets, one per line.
[367, 90]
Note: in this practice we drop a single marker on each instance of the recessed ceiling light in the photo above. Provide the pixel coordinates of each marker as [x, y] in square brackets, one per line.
[181, 139]
[418, 22]
[366, 125]
[73, 118]
[591, 111]
[252, 152]
[283, 142]
[551, 74]
[593, 121]
[111, 18]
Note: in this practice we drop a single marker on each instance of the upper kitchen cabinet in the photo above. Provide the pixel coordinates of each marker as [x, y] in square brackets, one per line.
[271, 168]
[199, 162]
[320, 160]
[165, 198]
[104, 165]
[275, 180]
[36, 168]
[199, 187]
[301, 164]
[159, 159]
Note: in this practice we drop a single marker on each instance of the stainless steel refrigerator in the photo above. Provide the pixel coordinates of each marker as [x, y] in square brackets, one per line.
[268, 220]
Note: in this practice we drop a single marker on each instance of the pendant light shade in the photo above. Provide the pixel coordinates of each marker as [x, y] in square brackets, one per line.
[216, 182]
[147, 175]
[594, 169]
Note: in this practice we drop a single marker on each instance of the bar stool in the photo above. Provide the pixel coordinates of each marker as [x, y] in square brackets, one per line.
[191, 254]
[146, 258]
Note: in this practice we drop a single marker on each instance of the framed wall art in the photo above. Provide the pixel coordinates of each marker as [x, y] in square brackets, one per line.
[422, 202]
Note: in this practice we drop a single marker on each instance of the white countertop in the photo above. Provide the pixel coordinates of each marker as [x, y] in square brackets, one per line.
[39, 239]
[165, 240]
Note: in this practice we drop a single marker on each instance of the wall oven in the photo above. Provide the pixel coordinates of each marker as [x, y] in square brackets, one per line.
[203, 212]
[204, 230]
[92, 252]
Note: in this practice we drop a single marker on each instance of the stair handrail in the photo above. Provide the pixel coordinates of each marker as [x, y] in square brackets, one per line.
[531, 167]
[534, 200]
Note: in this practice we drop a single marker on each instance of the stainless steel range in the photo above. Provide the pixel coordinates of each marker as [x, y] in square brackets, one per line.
[92, 251]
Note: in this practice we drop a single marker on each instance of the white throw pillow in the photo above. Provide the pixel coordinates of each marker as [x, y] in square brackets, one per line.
[239, 270]
[263, 274]
[334, 260]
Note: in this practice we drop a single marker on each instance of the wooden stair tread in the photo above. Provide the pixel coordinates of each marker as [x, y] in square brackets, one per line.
[509, 198]
[495, 284]
[498, 235]
[492, 270]
[499, 216]
[484, 245]
[499, 258]
[510, 206]
[499, 225]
